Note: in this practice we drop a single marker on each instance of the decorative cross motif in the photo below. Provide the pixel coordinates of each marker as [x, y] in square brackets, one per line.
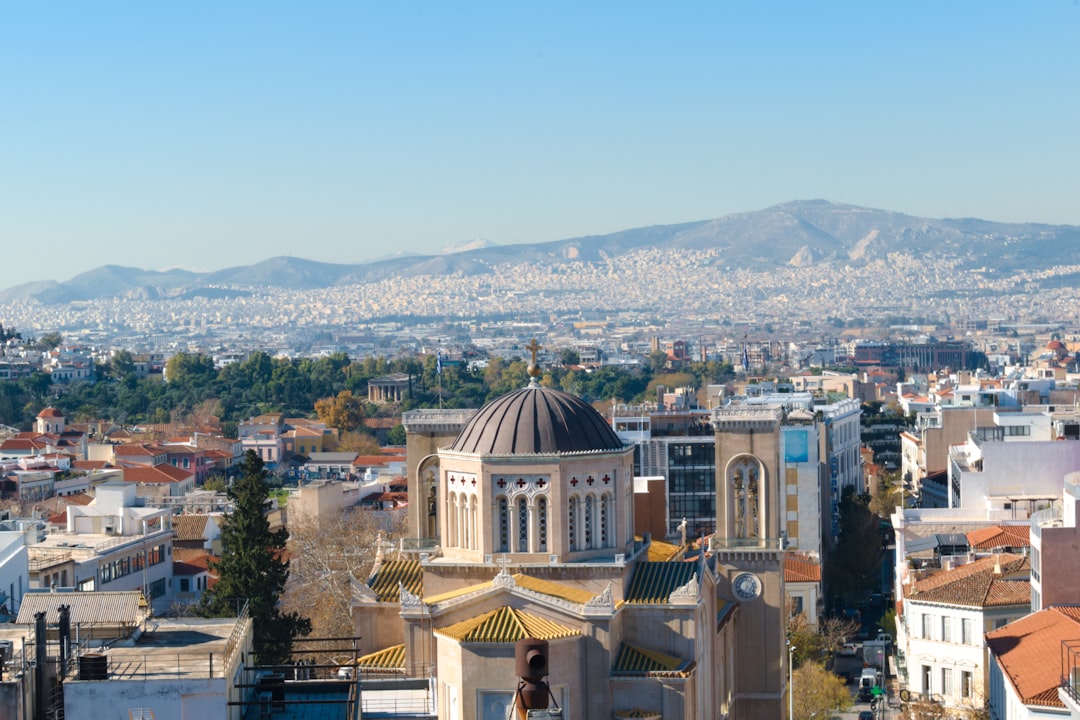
[504, 562]
[474, 482]
[606, 479]
[452, 480]
[501, 483]
[521, 483]
[573, 482]
[590, 480]
[541, 483]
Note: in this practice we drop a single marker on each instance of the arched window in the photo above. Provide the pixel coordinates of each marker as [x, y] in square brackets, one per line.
[451, 520]
[542, 524]
[523, 525]
[473, 507]
[572, 522]
[590, 517]
[504, 524]
[605, 521]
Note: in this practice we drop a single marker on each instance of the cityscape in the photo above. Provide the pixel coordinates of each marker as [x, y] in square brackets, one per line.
[484, 361]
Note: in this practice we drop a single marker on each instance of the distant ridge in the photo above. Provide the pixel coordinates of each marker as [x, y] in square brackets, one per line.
[796, 234]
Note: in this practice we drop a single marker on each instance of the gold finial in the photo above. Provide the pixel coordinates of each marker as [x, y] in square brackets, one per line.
[534, 347]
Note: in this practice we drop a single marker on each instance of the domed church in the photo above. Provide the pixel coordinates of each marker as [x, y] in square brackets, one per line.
[524, 528]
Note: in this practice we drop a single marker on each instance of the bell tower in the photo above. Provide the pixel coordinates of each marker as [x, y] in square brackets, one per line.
[751, 510]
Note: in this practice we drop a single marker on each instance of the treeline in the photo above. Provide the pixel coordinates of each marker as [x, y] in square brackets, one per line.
[192, 388]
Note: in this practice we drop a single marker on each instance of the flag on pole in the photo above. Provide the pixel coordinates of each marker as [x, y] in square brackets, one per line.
[438, 362]
[745, 358]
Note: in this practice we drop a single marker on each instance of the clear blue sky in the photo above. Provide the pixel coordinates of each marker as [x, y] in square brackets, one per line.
[205, 135]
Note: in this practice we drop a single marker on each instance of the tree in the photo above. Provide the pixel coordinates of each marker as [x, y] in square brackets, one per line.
[50, 341]
[330, 551]
[396, 435]
[816, 692]
[343, 411]
[251, 568]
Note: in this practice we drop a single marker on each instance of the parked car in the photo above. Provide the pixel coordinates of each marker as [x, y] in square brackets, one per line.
[849, 649]
[866, 715]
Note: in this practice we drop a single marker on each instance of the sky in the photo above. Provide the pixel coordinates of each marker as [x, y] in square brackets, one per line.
[206, 135]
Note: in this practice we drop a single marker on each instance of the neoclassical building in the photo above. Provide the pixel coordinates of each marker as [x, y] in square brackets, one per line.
[525, 529]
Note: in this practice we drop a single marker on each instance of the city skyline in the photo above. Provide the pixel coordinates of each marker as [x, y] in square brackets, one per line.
[204, 137]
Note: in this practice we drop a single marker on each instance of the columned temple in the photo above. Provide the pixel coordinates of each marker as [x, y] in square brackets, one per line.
[524, 528]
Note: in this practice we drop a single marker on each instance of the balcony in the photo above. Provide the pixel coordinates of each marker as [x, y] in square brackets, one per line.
[1069, 691]
[1048, 518]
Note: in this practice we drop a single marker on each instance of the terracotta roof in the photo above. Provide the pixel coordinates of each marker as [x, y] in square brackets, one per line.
[385, 579]
[190, 527]
[1029, 652]
[978, 583]
[376, 460]
[137, 449]
[1003, 536]
[801, 569]
[182, 568]
[158, 474]
[633, 660]
[654, 582]
[90, 464]
[50, 412]
[505, 625]
[193, 556]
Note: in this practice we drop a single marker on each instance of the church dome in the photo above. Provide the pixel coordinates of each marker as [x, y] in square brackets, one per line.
[536, 420]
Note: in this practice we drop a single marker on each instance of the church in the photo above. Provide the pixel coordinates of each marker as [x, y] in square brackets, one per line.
[525, 530]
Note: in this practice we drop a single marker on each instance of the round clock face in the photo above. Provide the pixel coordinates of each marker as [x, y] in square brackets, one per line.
[746, 586]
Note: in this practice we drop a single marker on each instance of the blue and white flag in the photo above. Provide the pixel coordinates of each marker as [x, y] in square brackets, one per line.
[745, 358]
[438, 362]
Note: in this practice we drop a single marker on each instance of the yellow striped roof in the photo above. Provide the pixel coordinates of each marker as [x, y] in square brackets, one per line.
[634, 660]
[505, 625]
[385, 578]
[654, 582]
[554, 589]
[544, 587]
[660, 551]
[392, 658]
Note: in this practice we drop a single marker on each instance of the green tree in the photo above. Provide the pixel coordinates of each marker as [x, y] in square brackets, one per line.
[396, 435]
[50, 341]
[251, 568]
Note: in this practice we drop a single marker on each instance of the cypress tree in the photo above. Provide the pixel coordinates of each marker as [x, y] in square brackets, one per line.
[252, 568]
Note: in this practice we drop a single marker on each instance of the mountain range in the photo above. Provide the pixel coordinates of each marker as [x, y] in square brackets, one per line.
[800, 233]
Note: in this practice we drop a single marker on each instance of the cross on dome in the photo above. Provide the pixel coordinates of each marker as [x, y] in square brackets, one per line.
[534, 369]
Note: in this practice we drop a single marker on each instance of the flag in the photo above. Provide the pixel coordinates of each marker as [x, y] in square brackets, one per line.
[438, 362]
[745, 358]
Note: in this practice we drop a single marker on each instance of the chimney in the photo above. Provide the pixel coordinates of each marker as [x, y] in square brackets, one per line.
[997, 564]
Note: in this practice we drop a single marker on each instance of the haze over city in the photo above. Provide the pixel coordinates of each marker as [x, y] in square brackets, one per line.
[203, 136]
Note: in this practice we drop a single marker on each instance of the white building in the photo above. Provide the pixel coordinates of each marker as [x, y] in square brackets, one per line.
[946, 615]
[14, 572]
[109, 545]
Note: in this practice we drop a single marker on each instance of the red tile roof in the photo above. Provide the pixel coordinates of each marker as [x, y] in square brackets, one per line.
[50, 412]
[1003, 536]
[137, 449]
[1029, 652]
[158, 474]
[801, 569]
[1001, 580]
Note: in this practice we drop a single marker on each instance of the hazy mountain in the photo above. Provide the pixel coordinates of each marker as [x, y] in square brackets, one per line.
[803, 233]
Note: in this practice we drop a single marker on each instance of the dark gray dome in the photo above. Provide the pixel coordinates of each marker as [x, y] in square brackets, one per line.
[536, 420]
